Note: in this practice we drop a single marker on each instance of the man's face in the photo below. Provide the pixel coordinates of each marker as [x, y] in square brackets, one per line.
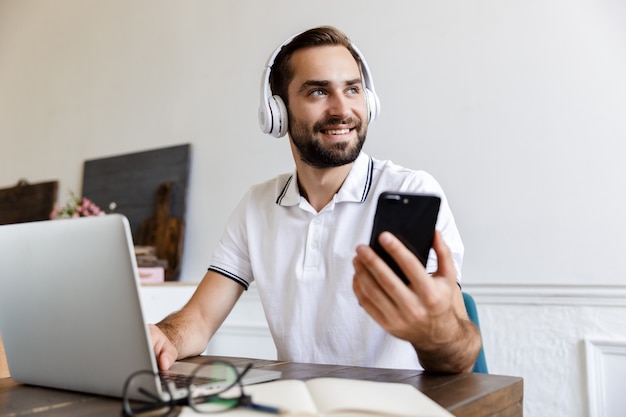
[327, 110]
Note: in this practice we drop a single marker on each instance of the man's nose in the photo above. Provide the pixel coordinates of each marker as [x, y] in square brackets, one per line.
[339, 105]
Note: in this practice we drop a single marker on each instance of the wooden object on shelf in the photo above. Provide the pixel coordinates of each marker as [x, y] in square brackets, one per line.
[4, 366]
[164, 232]
[27, 202]
[147, 257]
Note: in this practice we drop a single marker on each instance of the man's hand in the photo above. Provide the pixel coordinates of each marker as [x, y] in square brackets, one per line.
[186, 332]
[429, 313]
[165, 352]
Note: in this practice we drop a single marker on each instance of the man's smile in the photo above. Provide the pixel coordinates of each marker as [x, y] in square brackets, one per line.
[343, 131]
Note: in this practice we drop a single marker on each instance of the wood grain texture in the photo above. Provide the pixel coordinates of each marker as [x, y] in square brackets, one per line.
[4, 366]
[164, 232]
[27, 202]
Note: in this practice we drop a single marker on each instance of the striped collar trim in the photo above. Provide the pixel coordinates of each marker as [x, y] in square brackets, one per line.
[355, 188]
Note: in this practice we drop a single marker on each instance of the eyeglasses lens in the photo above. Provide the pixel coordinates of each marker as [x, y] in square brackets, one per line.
[214, 387]
[141, 400]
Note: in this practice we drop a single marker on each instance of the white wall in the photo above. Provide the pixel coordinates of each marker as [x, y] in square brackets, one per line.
[517, 107]
[540, 334]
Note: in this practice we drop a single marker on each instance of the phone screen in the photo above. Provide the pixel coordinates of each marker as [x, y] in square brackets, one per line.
[411, 218]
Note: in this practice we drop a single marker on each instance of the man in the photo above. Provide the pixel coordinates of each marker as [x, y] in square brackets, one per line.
[296, 236]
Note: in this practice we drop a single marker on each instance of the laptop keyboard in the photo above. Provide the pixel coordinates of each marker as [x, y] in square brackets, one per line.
[182, 381]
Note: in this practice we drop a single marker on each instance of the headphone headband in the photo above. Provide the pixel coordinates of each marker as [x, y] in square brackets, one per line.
[273, 116]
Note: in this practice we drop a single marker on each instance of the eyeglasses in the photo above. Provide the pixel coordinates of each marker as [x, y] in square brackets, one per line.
[213, 387]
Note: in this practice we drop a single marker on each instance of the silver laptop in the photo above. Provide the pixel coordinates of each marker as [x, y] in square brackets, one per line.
[70, 310]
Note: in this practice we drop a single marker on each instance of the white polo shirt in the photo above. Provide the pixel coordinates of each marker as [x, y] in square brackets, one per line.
[301, 261]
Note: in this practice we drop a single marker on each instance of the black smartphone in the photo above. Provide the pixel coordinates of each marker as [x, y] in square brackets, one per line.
[411, 218]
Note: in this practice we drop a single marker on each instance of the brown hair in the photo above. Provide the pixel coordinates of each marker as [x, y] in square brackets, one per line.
[282, 72]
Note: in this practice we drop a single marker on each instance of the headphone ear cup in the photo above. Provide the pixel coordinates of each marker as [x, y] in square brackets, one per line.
[265, 117]
[373, 107]
[280, 117]
[273, 117]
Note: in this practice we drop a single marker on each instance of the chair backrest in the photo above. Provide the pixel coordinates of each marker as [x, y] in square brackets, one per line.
[472, 312]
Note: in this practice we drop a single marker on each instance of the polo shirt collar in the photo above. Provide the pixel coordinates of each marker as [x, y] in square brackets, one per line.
[355, 188]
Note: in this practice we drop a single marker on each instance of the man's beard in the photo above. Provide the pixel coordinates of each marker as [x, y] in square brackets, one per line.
[315, 154]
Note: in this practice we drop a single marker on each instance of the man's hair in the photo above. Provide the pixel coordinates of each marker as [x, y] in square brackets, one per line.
[282, 72]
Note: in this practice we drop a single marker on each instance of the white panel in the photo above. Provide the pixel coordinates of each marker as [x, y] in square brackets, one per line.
[160, 300]
[242, 341]
[606, 377]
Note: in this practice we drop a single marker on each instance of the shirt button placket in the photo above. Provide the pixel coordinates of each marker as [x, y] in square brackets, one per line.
[314, 243]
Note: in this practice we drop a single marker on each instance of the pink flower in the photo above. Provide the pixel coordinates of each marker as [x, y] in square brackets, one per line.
[77, 207]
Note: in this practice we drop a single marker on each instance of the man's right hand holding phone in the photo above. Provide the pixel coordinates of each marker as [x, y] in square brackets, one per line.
[429, 312]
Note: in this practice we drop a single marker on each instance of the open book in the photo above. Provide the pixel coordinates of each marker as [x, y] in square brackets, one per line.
[338, 397]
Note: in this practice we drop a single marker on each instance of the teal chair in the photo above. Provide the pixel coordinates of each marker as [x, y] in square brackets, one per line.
[472, 312]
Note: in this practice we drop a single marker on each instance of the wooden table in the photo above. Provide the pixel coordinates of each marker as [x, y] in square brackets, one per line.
[465, 395]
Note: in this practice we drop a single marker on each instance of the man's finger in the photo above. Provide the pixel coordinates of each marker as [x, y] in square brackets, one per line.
[445, 263]
[406, 260]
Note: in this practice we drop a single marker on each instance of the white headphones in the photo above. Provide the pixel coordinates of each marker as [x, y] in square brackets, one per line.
[273, 116]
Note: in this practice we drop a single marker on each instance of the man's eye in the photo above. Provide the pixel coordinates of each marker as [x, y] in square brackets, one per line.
[353, 90]
[317, 92]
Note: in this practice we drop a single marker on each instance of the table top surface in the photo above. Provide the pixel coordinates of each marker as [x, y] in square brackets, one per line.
[463, 395]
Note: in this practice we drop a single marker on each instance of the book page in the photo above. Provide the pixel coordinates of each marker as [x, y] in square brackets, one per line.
[343, 397]
[290, 395]
[337, 397]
